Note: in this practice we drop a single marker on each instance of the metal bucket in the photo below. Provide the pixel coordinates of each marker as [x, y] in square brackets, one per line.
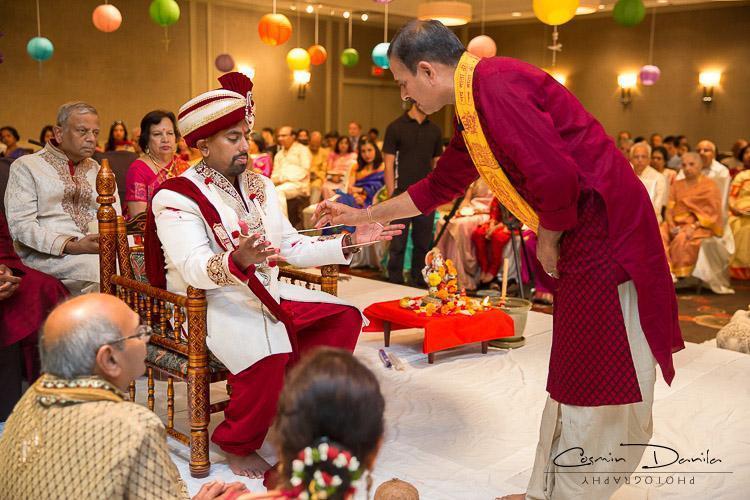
[518, 310]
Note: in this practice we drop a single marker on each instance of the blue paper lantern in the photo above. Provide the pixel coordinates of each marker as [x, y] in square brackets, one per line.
[40, 48]
[380, 55]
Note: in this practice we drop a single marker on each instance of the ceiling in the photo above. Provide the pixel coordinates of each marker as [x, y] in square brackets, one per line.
[495, 10]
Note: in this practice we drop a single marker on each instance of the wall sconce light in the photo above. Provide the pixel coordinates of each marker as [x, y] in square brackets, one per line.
[301, 79]
[626, 82]
[709, 80]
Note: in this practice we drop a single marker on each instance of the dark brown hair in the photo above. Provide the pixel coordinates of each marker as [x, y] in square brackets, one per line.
[329, 394]
[154, 118]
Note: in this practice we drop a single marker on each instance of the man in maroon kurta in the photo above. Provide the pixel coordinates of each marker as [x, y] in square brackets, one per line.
[596, 233]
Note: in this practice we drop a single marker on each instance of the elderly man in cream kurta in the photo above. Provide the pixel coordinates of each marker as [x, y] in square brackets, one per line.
[221, 229]
[655, 182]
[291, 168]
[50, 202]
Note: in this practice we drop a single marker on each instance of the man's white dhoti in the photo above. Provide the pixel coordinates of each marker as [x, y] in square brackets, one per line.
[571, 434]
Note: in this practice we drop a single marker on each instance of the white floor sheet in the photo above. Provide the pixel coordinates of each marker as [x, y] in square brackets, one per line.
[466, 427]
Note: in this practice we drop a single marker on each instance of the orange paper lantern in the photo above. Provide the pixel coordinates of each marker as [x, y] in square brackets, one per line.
[274, 29]
[318, 55]
[106, 18]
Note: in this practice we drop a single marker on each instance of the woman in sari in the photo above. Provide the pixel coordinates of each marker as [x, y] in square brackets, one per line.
[118, 138]
[693, 214]
[367, 179]
[260, 161]
[739, 221]
[158, 162]
[341, 162]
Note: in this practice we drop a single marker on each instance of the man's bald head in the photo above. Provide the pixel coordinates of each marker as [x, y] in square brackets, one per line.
[707, 150]
[285, 136]
[316, 140]
[84, 336]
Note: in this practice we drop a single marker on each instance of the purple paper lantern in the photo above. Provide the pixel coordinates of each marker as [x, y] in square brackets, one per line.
[224, 63]
[649, 75]
[382, 1]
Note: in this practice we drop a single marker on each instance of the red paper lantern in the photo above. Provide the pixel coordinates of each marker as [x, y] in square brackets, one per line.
[106, 18]
[318, 55]
[274, 29]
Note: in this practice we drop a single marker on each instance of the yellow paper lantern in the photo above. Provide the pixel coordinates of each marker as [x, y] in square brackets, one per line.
[298, 59]
[274, 29]
[555, 12]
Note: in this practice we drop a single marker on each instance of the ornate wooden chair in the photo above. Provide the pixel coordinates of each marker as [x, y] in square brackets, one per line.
[177, 349]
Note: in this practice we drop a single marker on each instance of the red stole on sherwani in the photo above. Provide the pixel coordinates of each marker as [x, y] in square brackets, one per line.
[156, 263]
[561, 161]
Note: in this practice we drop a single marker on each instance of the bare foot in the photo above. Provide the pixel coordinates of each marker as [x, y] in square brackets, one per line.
[517, 496]
[251, 465]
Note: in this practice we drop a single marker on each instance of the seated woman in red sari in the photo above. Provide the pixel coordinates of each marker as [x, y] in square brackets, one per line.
[693, 214]
[159, 161]
[26, 296]
[328, 429]
[489, 241]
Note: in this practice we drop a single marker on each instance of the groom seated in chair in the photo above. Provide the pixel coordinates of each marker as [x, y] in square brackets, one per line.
[219, 227]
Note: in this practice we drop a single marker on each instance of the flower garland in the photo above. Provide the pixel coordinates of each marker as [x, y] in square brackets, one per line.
[323, 485]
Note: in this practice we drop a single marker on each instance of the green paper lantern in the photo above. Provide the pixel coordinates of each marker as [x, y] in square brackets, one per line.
[40, 48]
[164, 12]
[629, 12]
[349, 57]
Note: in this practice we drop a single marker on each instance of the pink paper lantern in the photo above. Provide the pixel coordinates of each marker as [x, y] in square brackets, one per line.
[649, 75]
[482, 46]
[106, 18]
[224, 63]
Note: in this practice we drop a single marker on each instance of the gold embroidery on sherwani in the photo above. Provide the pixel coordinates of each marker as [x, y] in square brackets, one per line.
[217, 272]
[479, 149]
[78, 193]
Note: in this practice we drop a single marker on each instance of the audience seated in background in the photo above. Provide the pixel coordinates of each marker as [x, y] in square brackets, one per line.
[489, 241]
[625, 145]
[269, 137]
[694, 212]
[330, 139]
[9, 137]
[341, 162]
[739, 221]
[74, 434]
[743, 161]
[318, 165]
[366, 179]
[331, 403]
[734, 161]
[261, 162]
[50, 202]
[158, 162]
[136, 138]
[118, 138]
[655, 140]
[291, 170]
[640, 156]
[26, 296]
[47, 134]
[355, 134]
[303, 136]
[709, 166]
[674, 161]
[659, 163]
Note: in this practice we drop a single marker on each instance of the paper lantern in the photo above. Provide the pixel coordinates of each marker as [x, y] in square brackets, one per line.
[380, 55]
[555, 12]
[349, 57]
[382, 1]
[274, 29]
[318, 55]
[40, 48]
[629, 12]
[482, 46]
[106, 18]
[298, 59]
[224, 63]
[2, 58]
[164, 12]
[649, 75]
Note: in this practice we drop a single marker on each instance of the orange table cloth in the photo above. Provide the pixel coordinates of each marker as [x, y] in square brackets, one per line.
[441, 332]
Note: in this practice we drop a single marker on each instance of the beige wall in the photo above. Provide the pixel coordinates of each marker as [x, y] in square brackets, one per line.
[129, 72]
[596, 50]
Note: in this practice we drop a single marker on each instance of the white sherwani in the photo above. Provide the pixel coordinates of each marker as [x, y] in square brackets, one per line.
[657, 181]
[46, 207]
[291, 171]
[241, 331]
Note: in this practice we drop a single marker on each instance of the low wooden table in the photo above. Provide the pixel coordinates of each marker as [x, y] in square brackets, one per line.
[440, 332]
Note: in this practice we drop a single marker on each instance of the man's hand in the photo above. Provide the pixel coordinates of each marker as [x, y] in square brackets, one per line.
[252, 250]
[217, 490]
[548, 250]
[87, 244]
[8, 282]
[329, 212]
[368, 233]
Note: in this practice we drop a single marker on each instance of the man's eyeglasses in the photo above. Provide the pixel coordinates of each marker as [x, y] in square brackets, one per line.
[143, 332]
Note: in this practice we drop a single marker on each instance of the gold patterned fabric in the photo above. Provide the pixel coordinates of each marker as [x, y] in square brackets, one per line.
[80, 439]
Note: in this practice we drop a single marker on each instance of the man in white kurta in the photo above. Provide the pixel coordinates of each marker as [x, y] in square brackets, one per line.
[221, 229]
[291, 168]
[50, 202]
[655, 182]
